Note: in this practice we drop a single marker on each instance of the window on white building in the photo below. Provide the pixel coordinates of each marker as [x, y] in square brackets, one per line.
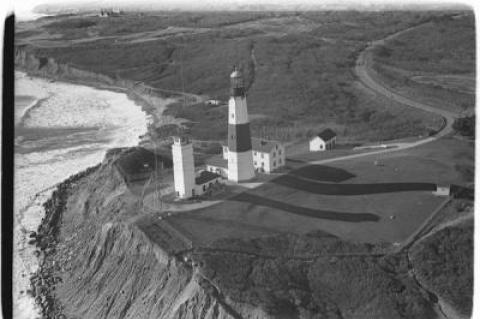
[263, 164]
[255, 153]
[233, 116]
[254, 163]
[261, 155]
[274, 164]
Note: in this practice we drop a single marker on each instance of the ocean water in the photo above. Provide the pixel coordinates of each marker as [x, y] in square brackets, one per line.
[60, 129]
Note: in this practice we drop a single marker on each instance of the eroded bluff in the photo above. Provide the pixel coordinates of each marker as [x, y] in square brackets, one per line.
[113, 264]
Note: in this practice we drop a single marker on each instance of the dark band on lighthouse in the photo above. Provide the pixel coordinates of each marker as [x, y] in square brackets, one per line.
[239, 139]
[237, 91]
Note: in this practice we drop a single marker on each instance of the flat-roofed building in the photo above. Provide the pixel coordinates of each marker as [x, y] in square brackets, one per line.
[204, 181]
[218, 164]
[189, 183]
[183, 167]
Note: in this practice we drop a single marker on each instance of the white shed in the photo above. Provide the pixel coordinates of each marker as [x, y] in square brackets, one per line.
[325, 140]
[442, 190]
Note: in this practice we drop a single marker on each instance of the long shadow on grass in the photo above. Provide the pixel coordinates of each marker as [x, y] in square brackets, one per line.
[305, 211]
[322, 173]
[350, 189]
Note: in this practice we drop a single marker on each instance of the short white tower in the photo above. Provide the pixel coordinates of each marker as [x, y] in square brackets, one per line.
[240, 160]
[183, 167]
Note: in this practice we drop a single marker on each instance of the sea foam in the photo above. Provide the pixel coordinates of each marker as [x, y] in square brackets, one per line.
[49, 155]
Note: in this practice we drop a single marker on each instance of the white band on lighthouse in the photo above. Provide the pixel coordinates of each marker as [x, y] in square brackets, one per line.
[237, 110]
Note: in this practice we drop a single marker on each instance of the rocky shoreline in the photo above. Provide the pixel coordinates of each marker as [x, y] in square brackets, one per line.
[42, 283]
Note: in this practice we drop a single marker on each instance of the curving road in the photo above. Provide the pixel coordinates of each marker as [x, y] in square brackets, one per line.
[362, 70]
[363, 64]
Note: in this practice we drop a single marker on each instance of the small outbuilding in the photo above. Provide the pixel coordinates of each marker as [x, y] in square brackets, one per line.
[217, 164]
[213, 102]
[204, 181]
[442, 190]
[325, 140]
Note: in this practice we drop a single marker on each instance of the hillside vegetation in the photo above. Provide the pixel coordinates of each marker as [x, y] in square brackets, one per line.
[328, 286]
[297, 65]
[435, 63]
[444, 263]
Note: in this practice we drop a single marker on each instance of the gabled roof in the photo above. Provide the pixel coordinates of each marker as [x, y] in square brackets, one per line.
[263, 146]
[205, 177]
[217, 161]
[326, 134]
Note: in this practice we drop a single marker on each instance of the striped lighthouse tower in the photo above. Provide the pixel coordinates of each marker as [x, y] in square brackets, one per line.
[240, 159]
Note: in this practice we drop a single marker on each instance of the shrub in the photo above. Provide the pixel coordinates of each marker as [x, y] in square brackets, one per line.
[465, 126]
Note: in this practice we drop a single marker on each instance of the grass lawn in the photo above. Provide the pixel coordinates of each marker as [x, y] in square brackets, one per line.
[296, 159]
[351, 199]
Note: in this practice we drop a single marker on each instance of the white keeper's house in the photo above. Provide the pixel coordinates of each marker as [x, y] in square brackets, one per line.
[267, 156]
[325, 140]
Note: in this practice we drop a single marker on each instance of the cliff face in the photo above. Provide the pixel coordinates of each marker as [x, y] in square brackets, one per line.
[119, 274]
[49, 68]
[106, 258]
[106, 267]
[444, 265]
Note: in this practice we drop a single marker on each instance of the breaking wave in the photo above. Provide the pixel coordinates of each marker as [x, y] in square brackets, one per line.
[61, 129]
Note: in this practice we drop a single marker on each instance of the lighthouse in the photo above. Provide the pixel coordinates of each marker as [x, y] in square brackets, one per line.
[183, 167]
[240, 160]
